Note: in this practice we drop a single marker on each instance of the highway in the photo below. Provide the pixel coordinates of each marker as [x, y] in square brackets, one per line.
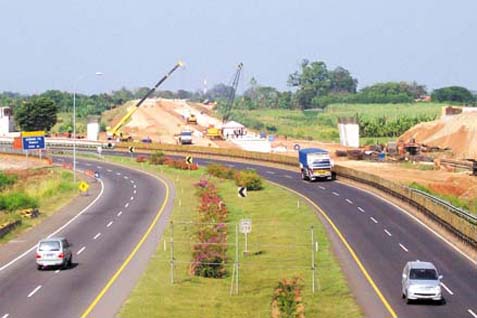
[382, 237]
[103, 237]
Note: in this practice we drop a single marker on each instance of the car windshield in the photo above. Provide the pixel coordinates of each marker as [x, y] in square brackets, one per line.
[187, 133]
[49, 246]
[423, 274]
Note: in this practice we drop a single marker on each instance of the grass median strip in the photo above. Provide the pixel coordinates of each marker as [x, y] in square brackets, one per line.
[279, 247]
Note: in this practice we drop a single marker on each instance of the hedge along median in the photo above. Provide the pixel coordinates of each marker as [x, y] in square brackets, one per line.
[279, 247]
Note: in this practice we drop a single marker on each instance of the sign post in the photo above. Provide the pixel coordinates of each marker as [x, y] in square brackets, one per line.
[245, 228]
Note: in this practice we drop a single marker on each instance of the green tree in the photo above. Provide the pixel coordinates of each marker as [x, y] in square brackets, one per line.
[342, 81]
[38, 113]
[452, 94]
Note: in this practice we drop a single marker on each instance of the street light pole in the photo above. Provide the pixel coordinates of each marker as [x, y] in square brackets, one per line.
[74, 126]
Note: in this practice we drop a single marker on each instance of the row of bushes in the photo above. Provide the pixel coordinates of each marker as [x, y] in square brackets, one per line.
[210, 252]
[243, 178]
[158, 158]
[287, 301]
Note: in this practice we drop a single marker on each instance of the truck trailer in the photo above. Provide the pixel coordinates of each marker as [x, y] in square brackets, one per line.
[315, 163]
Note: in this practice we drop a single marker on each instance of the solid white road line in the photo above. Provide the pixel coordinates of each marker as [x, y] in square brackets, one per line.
[472, 313]
[403, 247]
[126, 205]
[336, 193]
[109, 224]
[387, 232]
[447, 288]
[96, 236]
[349, 201]
[270, 172]
[132, 198]
[57, 230]
[373, 219]
[322, 187]
[119, 213]
[287, 176]
[34, 291]
[5, 316]
[81, 250]
[361, 209]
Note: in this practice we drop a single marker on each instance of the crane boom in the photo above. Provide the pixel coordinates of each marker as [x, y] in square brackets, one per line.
[231, 97]
[123, 120]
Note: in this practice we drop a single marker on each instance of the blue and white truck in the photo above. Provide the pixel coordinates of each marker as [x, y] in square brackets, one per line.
[315, 163]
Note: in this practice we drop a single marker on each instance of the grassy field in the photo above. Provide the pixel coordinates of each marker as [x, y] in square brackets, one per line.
[279, 247]
[50, 187]
[323, 125]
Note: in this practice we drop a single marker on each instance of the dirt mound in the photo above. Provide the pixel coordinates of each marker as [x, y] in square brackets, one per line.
[458, 132]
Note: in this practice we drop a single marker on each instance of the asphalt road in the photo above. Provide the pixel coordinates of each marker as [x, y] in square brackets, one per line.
[384, 238]
[103, 238]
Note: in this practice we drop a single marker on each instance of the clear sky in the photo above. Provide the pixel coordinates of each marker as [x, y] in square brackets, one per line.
[60, 44]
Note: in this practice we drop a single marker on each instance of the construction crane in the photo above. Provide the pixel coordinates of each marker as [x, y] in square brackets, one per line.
[231, 96]
[113, 133]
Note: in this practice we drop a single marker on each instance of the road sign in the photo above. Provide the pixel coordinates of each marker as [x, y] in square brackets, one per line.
[189, 160]
[83, 186]
[296, 147]
[242, 192]
[245, 226]
[36, 142]
[132, 149]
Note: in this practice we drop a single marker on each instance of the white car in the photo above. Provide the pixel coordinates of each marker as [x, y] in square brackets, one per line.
[421, 280]
[54, 251]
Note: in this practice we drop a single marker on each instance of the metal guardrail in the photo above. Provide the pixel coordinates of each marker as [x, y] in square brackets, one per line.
[459, 211]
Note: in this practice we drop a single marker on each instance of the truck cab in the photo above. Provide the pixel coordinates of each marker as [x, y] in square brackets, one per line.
[315, 164]
[185, 137]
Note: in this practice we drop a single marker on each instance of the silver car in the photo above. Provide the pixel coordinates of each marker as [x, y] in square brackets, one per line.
[54, 251]
[421, 280]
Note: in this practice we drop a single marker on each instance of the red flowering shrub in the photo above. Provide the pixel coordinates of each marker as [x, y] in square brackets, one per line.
[287, 300]
[209, 254]
[141, 158]
[179, 164]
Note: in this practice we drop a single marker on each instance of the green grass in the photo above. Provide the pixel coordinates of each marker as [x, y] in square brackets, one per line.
[316, 125]
[52, 188]
[279, 247]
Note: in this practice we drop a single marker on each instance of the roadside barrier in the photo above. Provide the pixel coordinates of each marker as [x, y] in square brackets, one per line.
[8, 227]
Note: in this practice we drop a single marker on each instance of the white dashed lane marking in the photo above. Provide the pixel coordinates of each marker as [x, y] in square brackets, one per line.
[132, 198]
[57, 271]
[447, 289]
[287, 176]
[109, 170]
[134, 186]
[5, 316]
[349, 201]
[126, 205]
[132, 181]
[403, 247]
[119, 213]
[81, 250]
[388, 233]
[109, 224]
[88, 164]
[34, 291]
[374, 220]
[336, 193]
[96, 236]
[99, 167]
[126, 177]
[270, 172]
[118, 173]
[360, 209]
[472, 313]
[322, 187]
[134, 191]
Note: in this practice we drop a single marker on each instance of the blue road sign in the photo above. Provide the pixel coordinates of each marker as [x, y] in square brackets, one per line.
[36, 142]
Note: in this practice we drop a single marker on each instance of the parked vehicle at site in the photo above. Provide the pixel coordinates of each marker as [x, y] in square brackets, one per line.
[55, 251]
[185, 138]
[421, 280]
[315, 163]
